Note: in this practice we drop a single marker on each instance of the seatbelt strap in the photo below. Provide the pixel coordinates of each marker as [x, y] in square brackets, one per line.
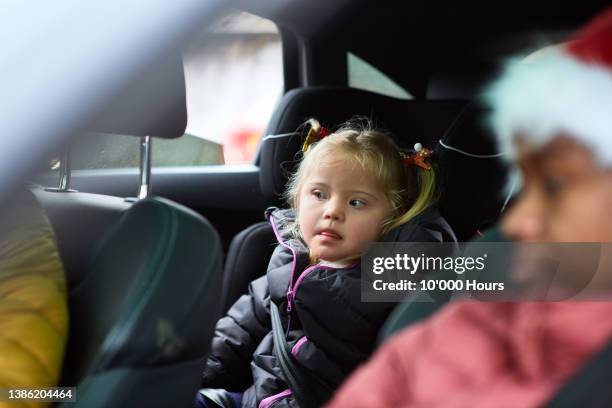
[304, 391]
[217, 396]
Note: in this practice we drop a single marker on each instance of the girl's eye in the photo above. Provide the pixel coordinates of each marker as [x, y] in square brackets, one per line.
[318, 194]
[357, 203]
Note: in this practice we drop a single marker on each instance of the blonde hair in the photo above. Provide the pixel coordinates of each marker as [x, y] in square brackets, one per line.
[410, 189]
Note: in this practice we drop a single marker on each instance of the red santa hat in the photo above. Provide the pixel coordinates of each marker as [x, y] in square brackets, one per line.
[566, 91]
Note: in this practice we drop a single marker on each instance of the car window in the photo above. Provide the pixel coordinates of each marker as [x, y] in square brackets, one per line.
[234, 77]
[111, 151]
[363, 75]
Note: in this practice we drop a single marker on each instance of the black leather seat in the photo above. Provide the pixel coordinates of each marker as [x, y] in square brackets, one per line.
[473, 196]
[246, 259]
[472, 175]
[410, 121]
[79, 221]
[143, 282]
[142, 318]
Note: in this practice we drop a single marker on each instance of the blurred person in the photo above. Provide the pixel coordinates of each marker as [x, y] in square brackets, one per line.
[555, 115]
[33, 300]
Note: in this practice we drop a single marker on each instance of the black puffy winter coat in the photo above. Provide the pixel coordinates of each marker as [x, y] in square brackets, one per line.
[330, 330]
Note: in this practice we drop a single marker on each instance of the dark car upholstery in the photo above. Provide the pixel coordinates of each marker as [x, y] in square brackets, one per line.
[127, 327]
[472, 175]
[79, 221]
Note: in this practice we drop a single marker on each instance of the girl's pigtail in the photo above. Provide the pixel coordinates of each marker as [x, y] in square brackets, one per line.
[315, 133]
[418, 164]
[427, 191]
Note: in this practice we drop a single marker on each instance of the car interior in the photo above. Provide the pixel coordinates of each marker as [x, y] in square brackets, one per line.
[153, 257]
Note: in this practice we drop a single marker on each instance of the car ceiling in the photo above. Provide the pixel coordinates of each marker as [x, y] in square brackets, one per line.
[411, 40]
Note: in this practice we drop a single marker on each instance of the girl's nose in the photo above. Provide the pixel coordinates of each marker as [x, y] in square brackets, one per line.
[525, 220]
[334, 211]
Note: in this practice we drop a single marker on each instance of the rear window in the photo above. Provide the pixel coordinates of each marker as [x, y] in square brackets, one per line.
[363, 75]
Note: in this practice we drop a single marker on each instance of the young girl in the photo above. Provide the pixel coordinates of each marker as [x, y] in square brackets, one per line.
[351, 188]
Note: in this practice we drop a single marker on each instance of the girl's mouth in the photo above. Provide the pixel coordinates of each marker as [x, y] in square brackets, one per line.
[329, 234]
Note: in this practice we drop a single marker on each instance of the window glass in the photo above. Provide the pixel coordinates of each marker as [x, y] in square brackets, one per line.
[233, 77]
[362, 75]
[108, 151]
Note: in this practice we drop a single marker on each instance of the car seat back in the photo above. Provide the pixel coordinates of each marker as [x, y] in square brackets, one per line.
[79, 221]
[149, 304]
[589, 387]
[472, 174]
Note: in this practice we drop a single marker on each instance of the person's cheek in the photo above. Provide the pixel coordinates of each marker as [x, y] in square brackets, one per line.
[307, 221]
[365, 232]
[575, 216]
[596, 220]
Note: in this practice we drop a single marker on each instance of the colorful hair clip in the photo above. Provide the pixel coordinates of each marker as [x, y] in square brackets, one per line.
[315, 134]
[418, 158]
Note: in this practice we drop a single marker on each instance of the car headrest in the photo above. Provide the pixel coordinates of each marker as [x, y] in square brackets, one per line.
[409, 121]
[472, 174]
[277, 159]
[152, 104]
[335, 105]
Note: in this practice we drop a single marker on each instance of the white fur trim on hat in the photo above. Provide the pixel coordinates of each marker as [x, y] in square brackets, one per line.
[556, 95]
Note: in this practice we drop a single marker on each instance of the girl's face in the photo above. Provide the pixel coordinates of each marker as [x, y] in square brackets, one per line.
[341, 208]
[567, 195]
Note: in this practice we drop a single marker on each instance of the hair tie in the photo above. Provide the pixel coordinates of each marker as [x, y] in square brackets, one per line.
[418, 158]
[315, 134]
